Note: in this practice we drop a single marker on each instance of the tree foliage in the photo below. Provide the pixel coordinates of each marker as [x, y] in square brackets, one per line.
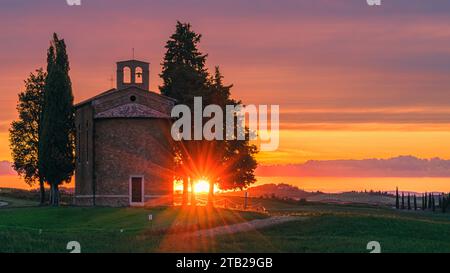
[230, 164]
[24, 132]
[56, 146]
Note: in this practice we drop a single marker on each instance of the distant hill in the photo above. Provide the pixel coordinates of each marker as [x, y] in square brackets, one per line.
[278, 190]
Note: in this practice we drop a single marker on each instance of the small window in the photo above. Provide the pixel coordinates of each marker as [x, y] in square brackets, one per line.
[126, 75]
[133, 98]
[138, 75]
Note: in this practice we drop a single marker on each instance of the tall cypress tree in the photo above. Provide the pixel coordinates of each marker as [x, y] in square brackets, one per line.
[56, 146]
[397, 199]
[425, 200]
[184, 77]
[433, 203]
[430, 201]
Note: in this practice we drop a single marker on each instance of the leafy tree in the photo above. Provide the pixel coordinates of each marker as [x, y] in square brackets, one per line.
[24, 132]
[56, 146]
[235, 158]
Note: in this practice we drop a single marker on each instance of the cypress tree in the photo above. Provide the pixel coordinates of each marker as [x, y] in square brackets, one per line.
[56, 146]
[425, 200]
[430, 201]
[433, 204]
[440, 201]
[185, 76]
[397, 199]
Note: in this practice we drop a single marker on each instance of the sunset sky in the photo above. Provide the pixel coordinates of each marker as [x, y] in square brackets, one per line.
[352, 81]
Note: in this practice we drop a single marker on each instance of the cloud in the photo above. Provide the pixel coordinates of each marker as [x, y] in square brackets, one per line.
[402, 166]
[6, 168]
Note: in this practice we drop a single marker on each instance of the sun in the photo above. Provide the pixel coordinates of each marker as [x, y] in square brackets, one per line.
[201, 186]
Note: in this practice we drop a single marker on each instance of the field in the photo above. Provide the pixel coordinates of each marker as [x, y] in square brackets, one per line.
[316, 228]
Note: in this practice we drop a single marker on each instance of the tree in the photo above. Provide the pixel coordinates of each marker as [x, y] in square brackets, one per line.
[433, 204]
[424, 200]
[24, 132]
[56, 146]
[184, 74]
[430, 201]
[235, 158]
[397, 199]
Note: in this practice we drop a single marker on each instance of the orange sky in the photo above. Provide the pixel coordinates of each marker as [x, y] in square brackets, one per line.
[352, 81]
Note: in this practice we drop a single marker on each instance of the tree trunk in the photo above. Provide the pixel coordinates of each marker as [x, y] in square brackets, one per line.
[50, 196]
[185, 191]
[54, 200]
[42, 192]
[56, 195]
[211, 194]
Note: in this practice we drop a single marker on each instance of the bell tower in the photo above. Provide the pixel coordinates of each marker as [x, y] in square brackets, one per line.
[133, 73]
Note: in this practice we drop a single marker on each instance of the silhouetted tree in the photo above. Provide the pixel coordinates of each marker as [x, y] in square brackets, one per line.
[24, 132]
[397, 199]
[425, 196]
[230, 164]
[430, 201]
[56, 145]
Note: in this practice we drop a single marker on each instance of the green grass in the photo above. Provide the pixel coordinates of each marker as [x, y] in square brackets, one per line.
[320, 228]
[49, 229]
[338, 228]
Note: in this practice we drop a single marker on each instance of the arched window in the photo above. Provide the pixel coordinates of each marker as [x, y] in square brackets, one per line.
[126, 74]
[138, 75]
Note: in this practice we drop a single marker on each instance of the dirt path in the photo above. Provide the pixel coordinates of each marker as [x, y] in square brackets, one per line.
[204, 240]
[3, 204]
[246, 226]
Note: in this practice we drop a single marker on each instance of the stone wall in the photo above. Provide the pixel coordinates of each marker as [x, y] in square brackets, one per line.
[132, 147]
